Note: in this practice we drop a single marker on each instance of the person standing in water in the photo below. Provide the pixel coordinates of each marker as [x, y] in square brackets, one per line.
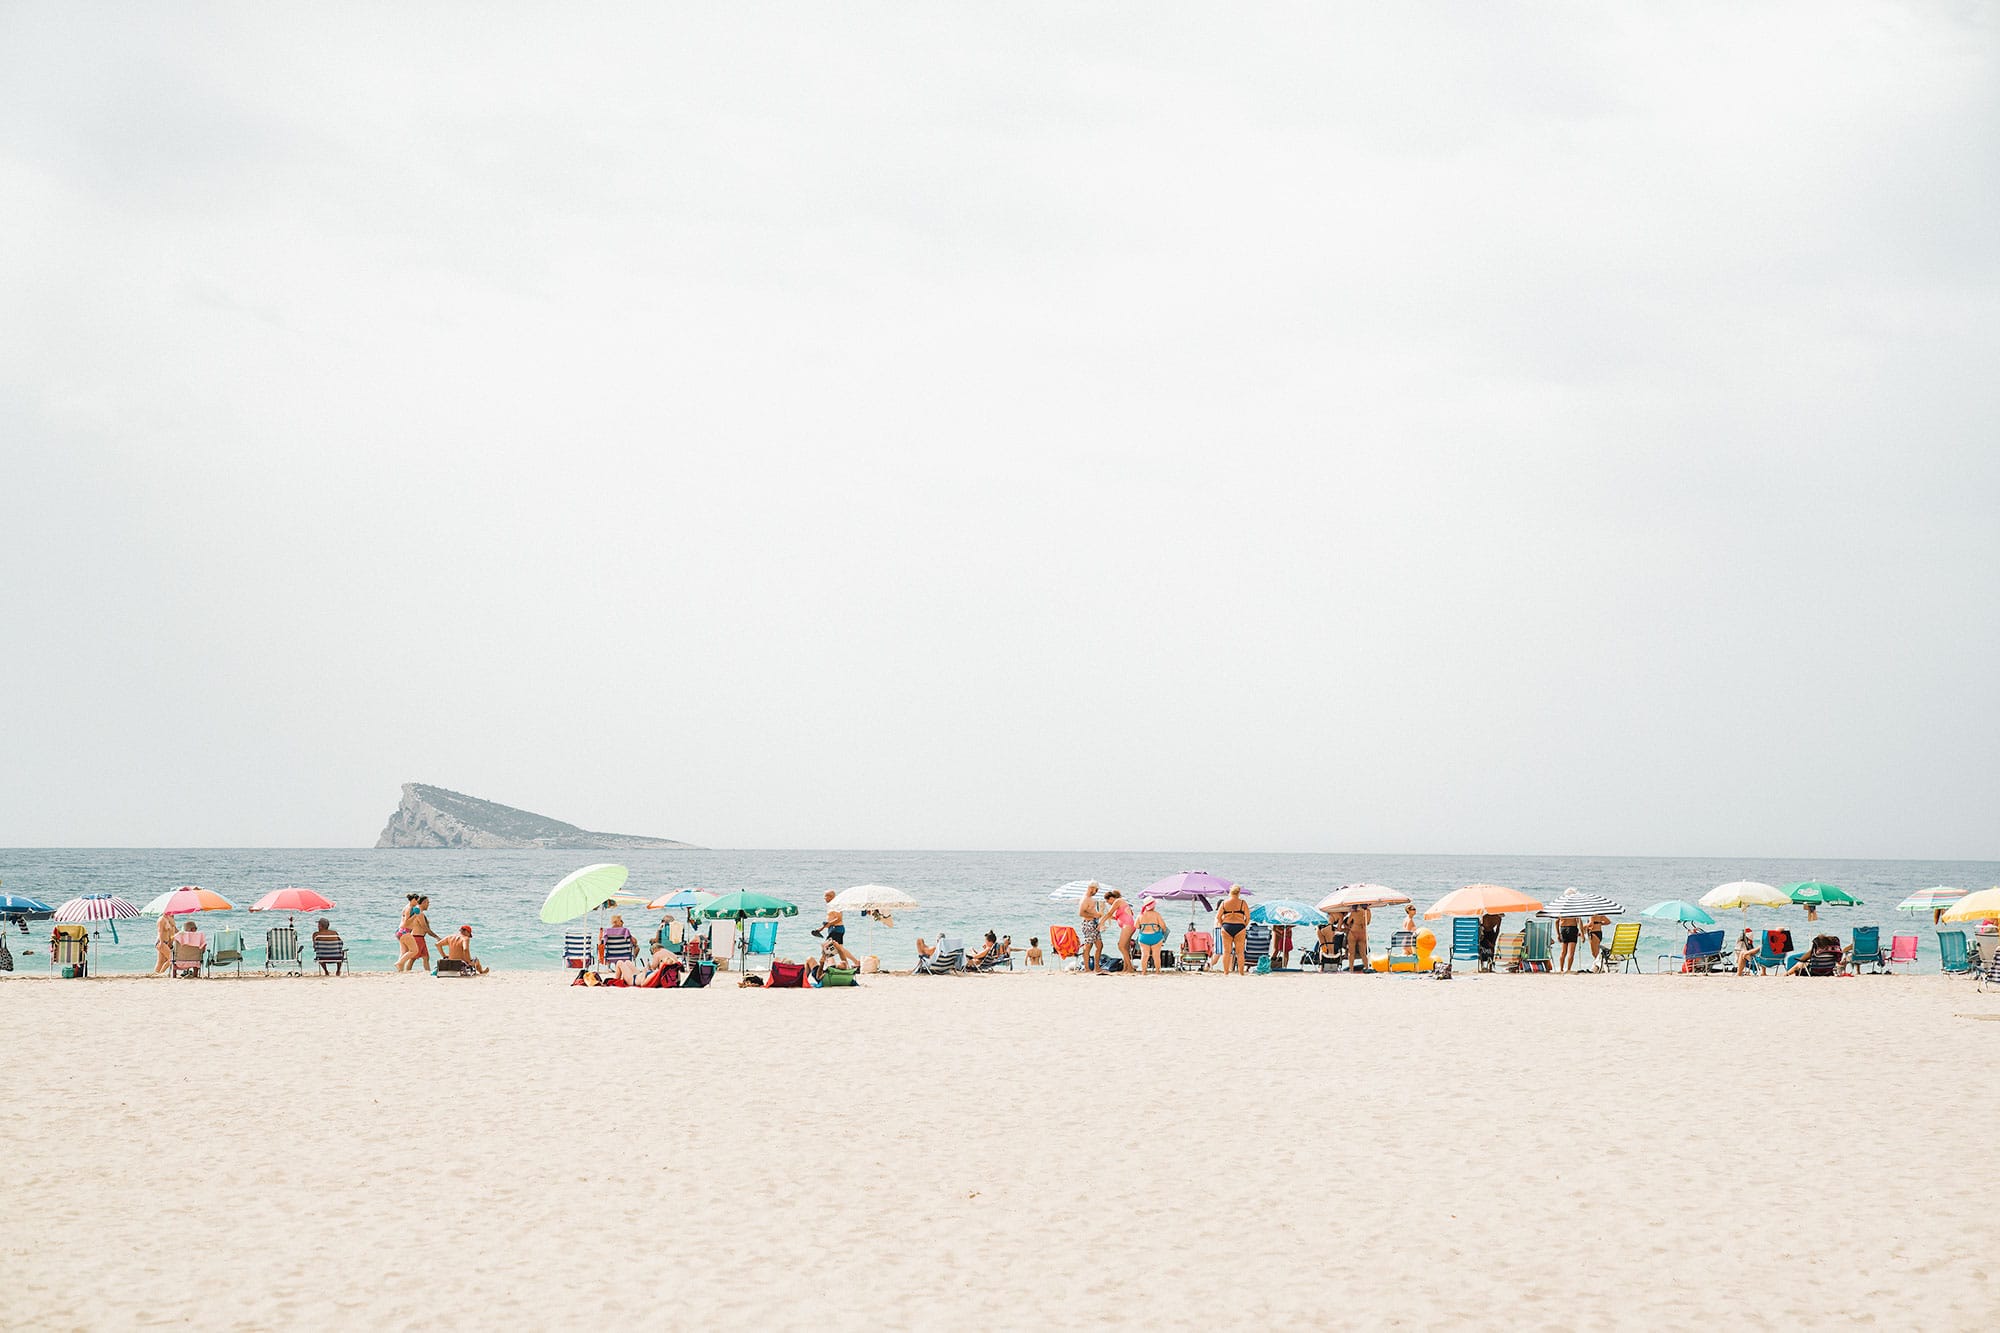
[166, 942]
[1233, 918]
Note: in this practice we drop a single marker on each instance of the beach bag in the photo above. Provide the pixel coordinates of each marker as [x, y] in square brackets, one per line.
[699, 974]
[6, 958]
[1263, 965]
[837, 976]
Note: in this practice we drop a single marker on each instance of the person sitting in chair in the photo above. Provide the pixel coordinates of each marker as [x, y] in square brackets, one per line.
[327, 940]
[1746, 953]
[458, 949]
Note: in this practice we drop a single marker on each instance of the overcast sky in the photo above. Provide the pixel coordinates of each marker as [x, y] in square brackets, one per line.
[1391, 428]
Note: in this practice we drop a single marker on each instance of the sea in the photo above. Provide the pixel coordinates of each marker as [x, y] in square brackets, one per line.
[499, 893]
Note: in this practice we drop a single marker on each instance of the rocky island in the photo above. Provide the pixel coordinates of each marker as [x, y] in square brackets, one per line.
[434, 817]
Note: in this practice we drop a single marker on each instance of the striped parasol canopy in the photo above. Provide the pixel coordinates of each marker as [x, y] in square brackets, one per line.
[1573, 903]
[1072, 892]
[96, 907]
[1930, 900]
[187, 898]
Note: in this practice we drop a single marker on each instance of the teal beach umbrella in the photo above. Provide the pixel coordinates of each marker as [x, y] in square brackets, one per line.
[1675, 910]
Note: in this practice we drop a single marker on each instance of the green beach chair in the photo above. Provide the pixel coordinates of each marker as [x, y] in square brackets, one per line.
[225, 949]
[1536, 945]
[1951, 946]
[1867, 948]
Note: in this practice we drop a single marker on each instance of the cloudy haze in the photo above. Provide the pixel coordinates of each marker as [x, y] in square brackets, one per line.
[1444, 429]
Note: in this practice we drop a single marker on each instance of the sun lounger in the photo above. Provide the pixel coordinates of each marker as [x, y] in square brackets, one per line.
[1903, 950]
[225, 949]
[1951, 951]
[281, 948]
[188, 960]
[1537, 946]
[454, 967]
[1867, 948]
[1197, 949]
[1624, 951]
[949, 958]
[1507, 952]
[69, 950]
[1403, 951]
[1465, 941]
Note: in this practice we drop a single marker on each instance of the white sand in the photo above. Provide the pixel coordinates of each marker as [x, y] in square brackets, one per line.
[1021, 1150]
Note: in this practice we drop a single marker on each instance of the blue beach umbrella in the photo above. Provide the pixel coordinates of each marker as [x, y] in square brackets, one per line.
[1287, 912]
[17, 904]
[1676, 910]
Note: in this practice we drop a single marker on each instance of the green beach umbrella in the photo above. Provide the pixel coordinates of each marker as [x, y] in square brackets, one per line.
[582, 891]
[1812, 893]
[743, 906]
[1675, 910]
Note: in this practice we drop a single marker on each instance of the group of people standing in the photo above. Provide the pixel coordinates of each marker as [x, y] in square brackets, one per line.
[1144, 930]
[414, 935]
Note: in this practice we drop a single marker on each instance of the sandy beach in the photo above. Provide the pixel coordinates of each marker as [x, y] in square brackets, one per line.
[1003, 1151]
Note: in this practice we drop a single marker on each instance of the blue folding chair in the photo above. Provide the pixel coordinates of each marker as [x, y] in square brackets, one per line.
[761, 938]
[1773, 949]
[1951, 945]
[1867, 948]
[1464, 940]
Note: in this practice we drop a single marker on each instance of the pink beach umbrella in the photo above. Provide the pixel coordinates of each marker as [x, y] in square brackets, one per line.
[292, 900]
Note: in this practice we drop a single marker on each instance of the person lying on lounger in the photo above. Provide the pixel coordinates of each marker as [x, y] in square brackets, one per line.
[458, 948]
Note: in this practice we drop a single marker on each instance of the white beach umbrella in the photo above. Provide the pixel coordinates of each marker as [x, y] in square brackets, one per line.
[1361, 895]
[1742, 894]
[875, 900]
[1072, 892]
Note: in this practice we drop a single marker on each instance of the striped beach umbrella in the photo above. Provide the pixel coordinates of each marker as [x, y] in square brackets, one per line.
[1072, 892]
[1930, 900]
[105, 907]
[187, 898]
[1573, 903]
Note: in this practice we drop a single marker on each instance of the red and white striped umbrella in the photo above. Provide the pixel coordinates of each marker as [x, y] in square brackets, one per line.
[96, 907]
[292, 899]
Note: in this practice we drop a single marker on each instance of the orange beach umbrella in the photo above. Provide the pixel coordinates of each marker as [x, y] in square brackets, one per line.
[1481, 900]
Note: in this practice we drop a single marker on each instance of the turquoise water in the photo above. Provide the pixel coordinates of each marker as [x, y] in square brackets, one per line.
[499, 893]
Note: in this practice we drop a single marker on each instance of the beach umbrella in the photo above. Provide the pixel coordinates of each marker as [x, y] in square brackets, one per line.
[1812, 893]
[1287, 912]
[1676, 910]
[1930, 900]
[187, 898]
[1743, 894]
[1362, 895]
[105, 907]
[1072, 892]
[874, 901]
[582, 891]
[1573, 903]
[744, 906]
[1981, 906]
[16, 904]
[293, 899]
[1481, 900]
[1190, 885]
[689, 898]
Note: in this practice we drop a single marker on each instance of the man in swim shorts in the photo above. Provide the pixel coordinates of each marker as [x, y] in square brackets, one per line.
[1089, 930]
[836, 935]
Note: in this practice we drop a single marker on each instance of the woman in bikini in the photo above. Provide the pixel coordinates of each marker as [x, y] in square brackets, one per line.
[166, 942]
[1593, 930]
[1233, 916]
[1152, 934]
[406, 948]
[419, 940]
[1357, 938]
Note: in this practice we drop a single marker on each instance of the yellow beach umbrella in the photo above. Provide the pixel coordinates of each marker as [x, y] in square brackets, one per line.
[1742, 894]
[1481, 900]
[1981, 906]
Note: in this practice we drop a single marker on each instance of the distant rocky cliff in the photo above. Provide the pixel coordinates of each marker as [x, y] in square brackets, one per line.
[434, 817]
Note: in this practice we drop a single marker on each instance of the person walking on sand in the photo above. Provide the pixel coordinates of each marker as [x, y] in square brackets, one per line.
[1152, 934]
[166, 942]
[1090, 928]
[835, 931]
[405, 946]
[1233, 917]
[421, 935]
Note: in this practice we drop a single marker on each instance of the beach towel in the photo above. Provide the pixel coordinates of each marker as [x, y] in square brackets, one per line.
[1064, 941]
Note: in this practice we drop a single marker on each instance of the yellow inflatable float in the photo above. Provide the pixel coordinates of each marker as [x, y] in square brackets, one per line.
[1426, 941]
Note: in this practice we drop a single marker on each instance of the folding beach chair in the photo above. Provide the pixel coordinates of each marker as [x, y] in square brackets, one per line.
[1403, 951]
[1624, 951]
[281, 948]
[1000, 958]
[1256, 943]
[1823, 965]
[949, 958]
[1902, 949]
[1063, 942]
[1867, 948]
[1331, 957]
[225, 949]
[188, 960]
[760, 940]
[1506, 952]
[332, 952]
[1951, 948]
[1773, 948]
[1465, 940]
[69, 949]
[1197, 950]
[1990, 974]
[622, 947]
[1537, 946]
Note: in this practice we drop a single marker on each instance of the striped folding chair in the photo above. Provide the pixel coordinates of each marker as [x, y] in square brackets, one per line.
[1507, 952]
[331, 951]
[576, 949]
[1403, 956]
[1465, 940]
[1256, 944]
[281, 948]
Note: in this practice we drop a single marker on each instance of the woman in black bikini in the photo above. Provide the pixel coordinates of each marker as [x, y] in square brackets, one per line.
[1234, 918]
[1567, 933]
